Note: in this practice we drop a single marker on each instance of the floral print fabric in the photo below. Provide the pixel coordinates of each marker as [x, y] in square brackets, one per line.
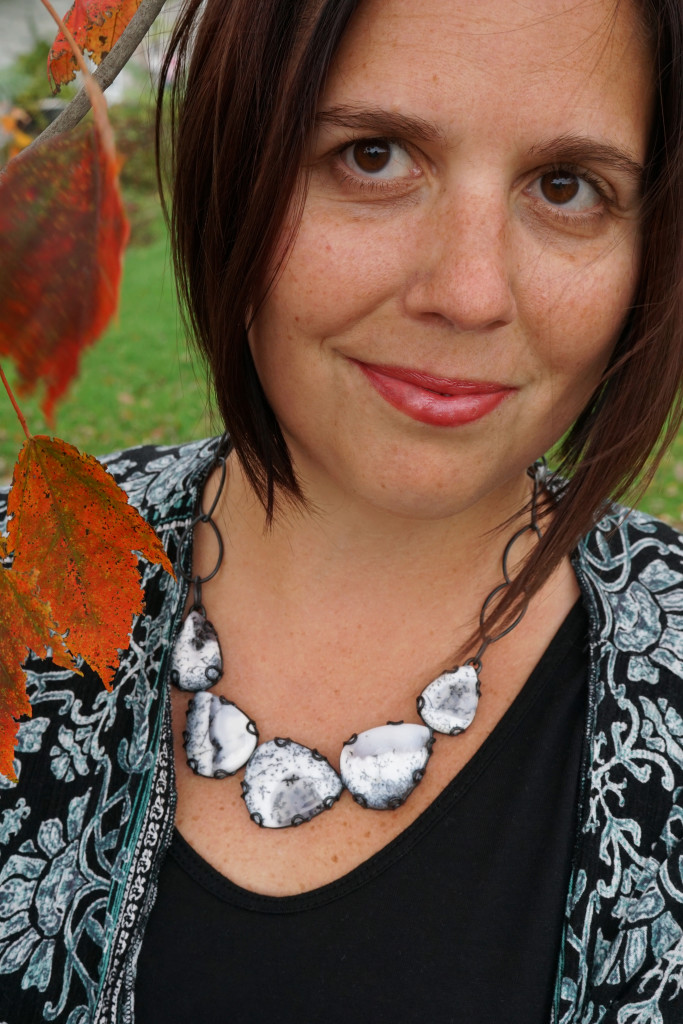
[84, 831]
[622, 959]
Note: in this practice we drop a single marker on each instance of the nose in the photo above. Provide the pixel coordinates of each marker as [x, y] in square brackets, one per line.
[462, 264]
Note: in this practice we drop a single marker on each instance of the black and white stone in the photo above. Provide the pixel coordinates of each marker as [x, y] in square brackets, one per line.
[196, 661]
[381, 767]
[449, 703]
[286, 783]
[219, 738]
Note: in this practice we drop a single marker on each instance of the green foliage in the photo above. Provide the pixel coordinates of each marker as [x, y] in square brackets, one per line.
[134, 131]
[25, 84]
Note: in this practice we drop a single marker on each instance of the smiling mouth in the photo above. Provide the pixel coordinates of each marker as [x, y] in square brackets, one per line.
[437, 401]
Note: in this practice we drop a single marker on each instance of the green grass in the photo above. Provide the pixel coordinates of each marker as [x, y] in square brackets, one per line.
[665, 495]
[137, 383]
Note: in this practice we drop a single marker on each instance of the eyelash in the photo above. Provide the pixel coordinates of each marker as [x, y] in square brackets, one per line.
[387, 187]
[602, 190]
[376, 185]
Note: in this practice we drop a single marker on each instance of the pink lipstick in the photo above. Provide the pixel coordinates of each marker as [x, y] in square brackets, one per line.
[438, 401]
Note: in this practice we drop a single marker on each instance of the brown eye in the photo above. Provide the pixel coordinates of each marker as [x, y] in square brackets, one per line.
[372, 155]
[559, 188]
[379, 163]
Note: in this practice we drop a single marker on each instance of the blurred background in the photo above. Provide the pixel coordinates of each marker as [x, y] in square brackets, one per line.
[140, 382]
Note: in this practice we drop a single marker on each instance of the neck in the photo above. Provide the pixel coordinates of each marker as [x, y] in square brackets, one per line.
[340, 544]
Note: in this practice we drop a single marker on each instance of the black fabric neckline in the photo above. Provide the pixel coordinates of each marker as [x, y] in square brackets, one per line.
[572, 629]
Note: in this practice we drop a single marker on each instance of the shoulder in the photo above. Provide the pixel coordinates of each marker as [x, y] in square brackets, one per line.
[623, 532]
[161, 481]
[164, 484]
[630, 567]
[630, 570]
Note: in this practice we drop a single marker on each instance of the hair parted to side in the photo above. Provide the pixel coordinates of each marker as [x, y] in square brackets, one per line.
[246, 79]
[247, 75]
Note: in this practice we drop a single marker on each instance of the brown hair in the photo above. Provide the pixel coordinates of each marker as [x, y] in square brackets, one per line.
[246, 82]
[247, 76]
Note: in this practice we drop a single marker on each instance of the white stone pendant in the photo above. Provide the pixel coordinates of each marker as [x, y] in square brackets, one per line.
[196, 661]
[219, 738]
[449, 703]
[286, 783]
[381, 767]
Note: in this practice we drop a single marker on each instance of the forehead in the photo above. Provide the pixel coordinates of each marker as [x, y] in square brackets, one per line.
[499, 60]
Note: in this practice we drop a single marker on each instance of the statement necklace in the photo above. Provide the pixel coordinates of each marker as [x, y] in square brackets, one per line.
[286, 783]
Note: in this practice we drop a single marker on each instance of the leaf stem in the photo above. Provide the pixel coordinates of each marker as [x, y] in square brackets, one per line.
[20, 415]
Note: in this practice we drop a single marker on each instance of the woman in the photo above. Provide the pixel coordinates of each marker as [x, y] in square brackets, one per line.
[418, 246]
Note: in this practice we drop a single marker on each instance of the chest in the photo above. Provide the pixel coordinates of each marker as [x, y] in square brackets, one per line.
[213, 818]
[464, 907]
[319, 681]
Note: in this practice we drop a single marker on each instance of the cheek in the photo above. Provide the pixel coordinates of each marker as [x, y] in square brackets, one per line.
[338, 271]
[579, 312]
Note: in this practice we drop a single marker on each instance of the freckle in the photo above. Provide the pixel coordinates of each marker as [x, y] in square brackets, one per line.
[335, 858]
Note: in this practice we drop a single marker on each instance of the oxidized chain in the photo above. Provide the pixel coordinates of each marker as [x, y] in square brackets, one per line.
[204, 517]
[538, 473]
[286, 783]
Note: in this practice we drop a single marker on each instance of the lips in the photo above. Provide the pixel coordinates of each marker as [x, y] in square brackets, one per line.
[438, 401]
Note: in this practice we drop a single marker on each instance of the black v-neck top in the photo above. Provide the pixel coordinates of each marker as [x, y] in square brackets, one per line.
[456, 921]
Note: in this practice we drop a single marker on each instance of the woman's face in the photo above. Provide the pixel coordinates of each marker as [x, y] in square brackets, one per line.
[468, 249]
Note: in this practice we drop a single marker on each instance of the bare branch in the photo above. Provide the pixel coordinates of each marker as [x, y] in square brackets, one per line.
[113, 63]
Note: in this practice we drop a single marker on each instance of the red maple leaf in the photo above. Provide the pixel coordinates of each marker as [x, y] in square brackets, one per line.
[71, 528]
[27, 624]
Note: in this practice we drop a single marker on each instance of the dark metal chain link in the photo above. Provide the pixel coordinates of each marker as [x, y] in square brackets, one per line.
[538, 474]
[188, 534]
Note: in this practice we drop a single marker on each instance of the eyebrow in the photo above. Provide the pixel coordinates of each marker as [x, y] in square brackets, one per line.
[570, 147]
[579, 149]
[379, 122]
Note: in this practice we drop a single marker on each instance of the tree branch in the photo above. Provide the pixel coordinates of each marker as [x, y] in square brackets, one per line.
[113, 63]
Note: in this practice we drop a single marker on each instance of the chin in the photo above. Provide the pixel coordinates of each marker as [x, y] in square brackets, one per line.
[424, 497]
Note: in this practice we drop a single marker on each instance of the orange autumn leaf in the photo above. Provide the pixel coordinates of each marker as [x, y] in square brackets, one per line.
[96, 25]
[26, 624]
[62, 236]
[71, 525]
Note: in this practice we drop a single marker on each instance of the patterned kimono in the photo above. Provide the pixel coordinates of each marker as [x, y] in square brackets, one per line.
[85, 830]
